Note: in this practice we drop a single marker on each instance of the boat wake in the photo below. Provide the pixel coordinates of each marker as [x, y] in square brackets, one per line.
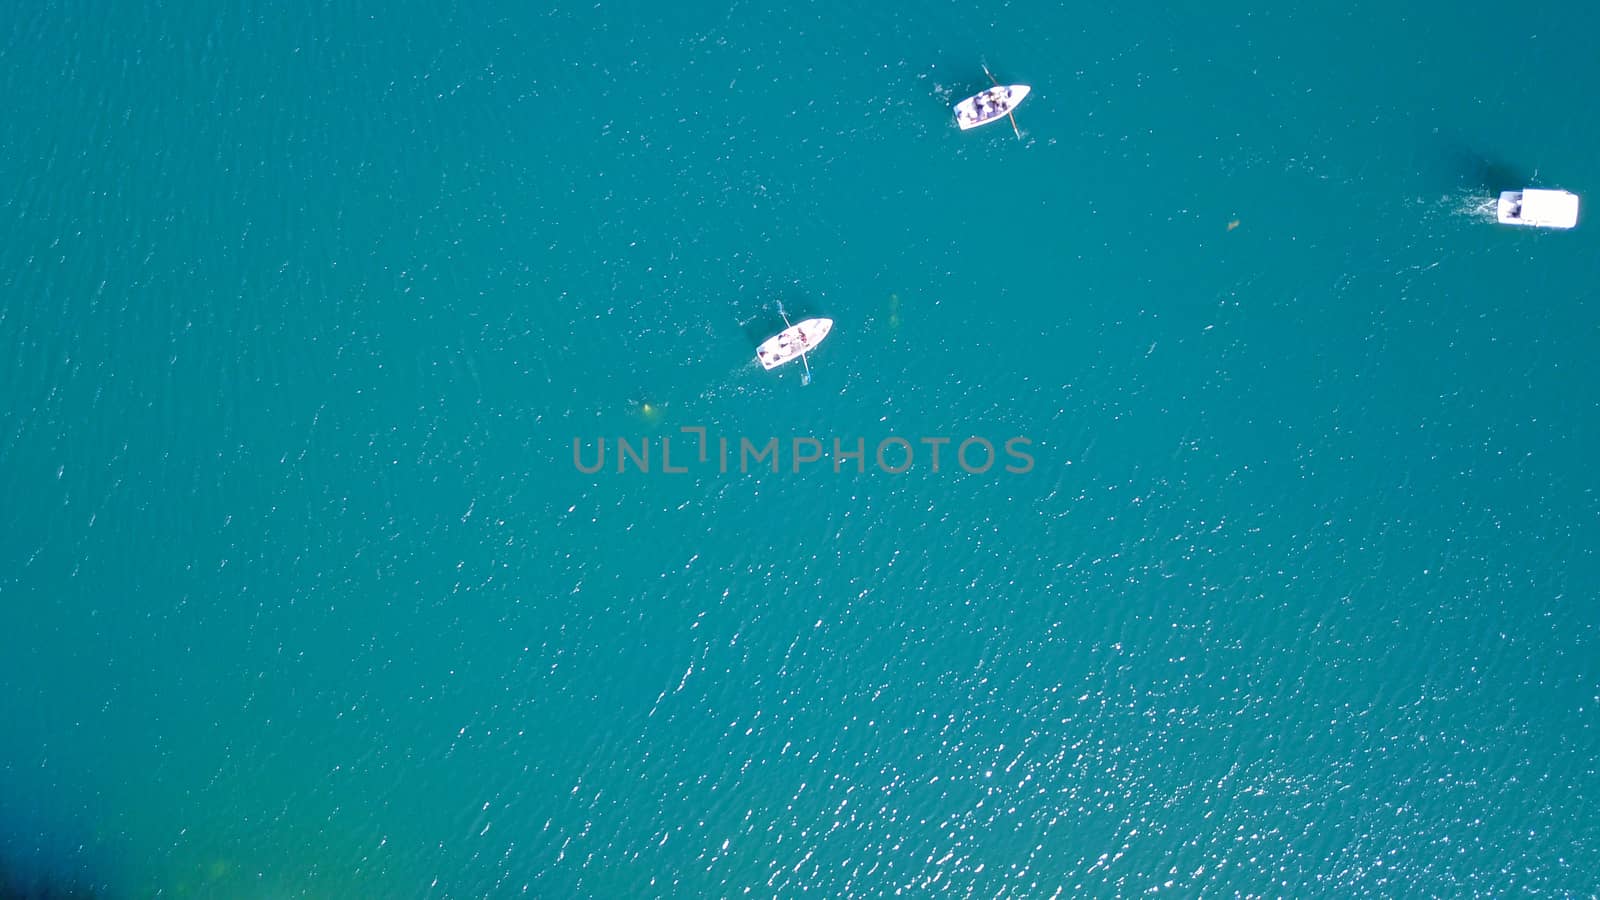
[736, 381]
[1472, 205]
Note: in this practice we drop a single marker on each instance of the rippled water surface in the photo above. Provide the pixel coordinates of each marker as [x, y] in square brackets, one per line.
[303, 306]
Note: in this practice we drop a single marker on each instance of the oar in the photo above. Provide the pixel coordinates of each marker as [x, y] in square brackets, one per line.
[1013, 115]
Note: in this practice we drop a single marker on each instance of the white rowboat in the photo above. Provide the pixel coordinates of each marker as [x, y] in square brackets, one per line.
[792, 343]
[995, 103]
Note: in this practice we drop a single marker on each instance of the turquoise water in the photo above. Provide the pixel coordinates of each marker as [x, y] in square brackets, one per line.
[302, 307]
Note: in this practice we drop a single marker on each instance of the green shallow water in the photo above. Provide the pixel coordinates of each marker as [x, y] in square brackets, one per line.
[303, 306]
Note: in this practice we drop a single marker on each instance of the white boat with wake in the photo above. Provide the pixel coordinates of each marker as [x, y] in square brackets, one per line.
[793, 343]
[1537, 208]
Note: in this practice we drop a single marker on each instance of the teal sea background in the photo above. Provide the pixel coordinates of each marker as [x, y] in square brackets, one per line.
[302, 307]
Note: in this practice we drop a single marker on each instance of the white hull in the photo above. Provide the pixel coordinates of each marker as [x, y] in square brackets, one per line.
[789, 344]
[992, 105]
[1538, 209]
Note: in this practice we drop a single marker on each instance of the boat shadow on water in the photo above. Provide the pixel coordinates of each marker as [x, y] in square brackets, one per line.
[1490, 174]
[952, 78]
